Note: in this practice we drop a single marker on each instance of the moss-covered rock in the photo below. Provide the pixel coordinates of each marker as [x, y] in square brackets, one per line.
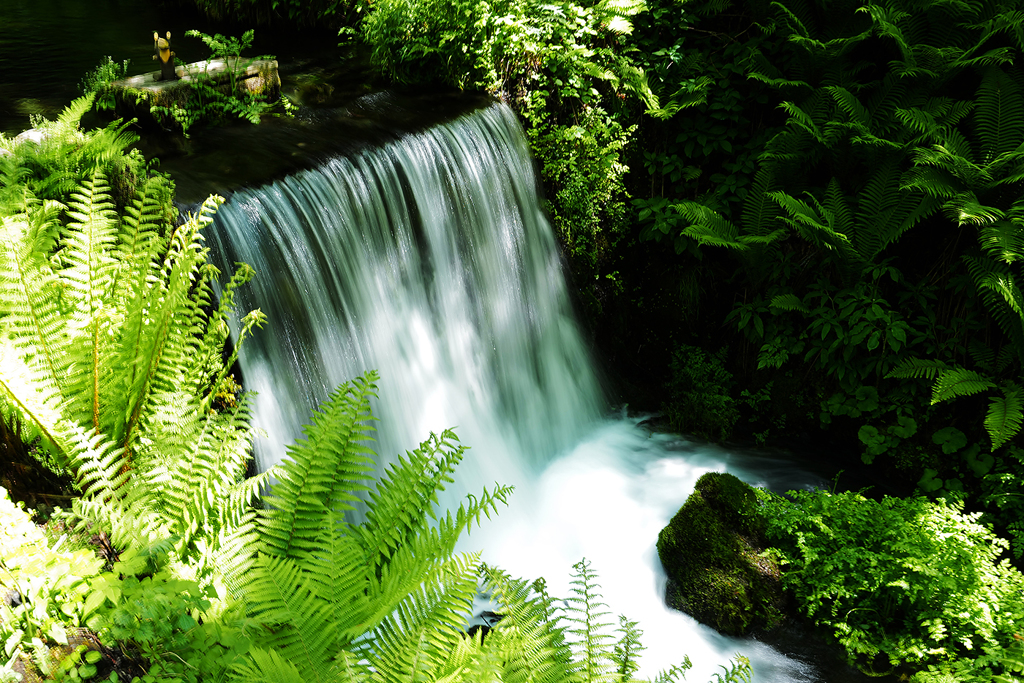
[713, 553]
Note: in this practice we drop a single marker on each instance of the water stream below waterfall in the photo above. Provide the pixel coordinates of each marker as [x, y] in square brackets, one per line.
[430, 260]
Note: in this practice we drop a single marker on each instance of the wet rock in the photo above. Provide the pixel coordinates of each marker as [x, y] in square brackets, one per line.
[713, 551]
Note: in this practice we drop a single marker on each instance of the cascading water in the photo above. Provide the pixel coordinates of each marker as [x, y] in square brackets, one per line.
[430, 260]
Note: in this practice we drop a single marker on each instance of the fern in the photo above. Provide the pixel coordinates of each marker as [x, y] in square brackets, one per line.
[959, 382]
[585, 614]
[1005, 415]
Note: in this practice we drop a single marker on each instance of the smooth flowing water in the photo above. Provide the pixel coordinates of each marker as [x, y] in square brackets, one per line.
[430, 260]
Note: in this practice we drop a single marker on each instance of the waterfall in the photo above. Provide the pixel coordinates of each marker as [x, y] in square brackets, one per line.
[430, 260]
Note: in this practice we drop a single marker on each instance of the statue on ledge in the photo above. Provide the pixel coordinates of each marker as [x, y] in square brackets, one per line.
[165, 57]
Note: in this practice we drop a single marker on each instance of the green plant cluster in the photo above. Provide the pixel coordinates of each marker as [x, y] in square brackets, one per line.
[47, 161]
[908, 585]
[700, 394]
[565, 67]
[846, 185]
[211, 103]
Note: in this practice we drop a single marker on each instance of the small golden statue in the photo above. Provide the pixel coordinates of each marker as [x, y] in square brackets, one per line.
[165, 57]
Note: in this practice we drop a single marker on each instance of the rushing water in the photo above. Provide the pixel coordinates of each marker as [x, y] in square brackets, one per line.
[430, 260]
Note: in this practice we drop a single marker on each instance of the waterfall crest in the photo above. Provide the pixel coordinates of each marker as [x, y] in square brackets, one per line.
[431, 261]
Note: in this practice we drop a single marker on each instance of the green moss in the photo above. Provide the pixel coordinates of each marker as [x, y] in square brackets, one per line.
[712, 553]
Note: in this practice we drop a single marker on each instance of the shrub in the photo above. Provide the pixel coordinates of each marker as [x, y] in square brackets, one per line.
[899, 581]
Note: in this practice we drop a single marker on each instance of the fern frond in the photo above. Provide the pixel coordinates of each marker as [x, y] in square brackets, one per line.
[788, 302]
[89, 272]
[759, 211]
[850, 105]
[301, 622]
[1003, 240]
[1005, 415]
[999, 116]
[956, 382]
[267, 666]
[416, 637]
[159, 345]
[325, 470]
[591, 636]
[814, 227]
[999, 292]
[531, 635]
[707, 226]
[913, 368]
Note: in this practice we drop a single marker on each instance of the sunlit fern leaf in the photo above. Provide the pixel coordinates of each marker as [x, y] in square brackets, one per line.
[347, 668]
[299, 622]
[267, 666]
[965, 209]
[161, 331]
[676, 672]
[628, 649]
[959, 382]
[27, 394]
[1005, 415]
[531, 634]
[209, 368]
[738, 671]
[1003, 240]
[403, 502]
[591, 638]
[141, 234]
[417, 636]
[326, 469]
[196, 477]
[88, 274]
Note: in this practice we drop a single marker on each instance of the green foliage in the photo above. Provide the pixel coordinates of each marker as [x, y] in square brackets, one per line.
[207, 102]
[302, 13]
[49, 161]
[112, 353]
[899, 582]
[700, 400]
[565, 67]
[97, 80]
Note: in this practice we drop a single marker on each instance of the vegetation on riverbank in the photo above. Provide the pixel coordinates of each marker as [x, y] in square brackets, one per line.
[908, 587]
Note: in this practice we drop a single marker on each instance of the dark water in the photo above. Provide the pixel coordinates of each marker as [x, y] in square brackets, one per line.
[47, 46]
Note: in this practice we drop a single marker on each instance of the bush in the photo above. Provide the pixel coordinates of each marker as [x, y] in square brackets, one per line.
[699, 388]
[899, 582]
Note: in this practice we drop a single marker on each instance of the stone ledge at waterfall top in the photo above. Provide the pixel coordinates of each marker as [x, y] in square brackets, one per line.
[135, 96]
[713, 553]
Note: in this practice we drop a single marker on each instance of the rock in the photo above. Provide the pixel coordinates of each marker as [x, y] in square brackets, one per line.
[713, 553]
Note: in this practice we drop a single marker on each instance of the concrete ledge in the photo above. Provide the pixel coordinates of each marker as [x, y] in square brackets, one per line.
[135, 96]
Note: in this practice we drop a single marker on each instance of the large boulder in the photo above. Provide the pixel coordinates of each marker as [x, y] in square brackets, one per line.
[713, 553]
